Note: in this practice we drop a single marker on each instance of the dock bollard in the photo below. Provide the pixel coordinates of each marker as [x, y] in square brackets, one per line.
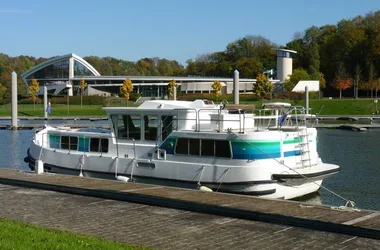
[39, 167]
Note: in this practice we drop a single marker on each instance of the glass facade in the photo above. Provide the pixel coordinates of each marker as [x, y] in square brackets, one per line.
[51, 82]
[286, 54]
[56, 70]
[153, 90]
[81, 70]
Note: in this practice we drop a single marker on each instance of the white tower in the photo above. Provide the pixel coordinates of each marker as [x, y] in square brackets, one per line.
[284, 63]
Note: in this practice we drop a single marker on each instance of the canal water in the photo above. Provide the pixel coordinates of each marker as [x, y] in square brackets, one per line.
[358, 154]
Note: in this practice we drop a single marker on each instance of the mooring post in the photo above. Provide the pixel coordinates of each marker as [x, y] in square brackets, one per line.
[236, 87]
[307, 99]
[45, 103]
[306, 104]
[14, 100]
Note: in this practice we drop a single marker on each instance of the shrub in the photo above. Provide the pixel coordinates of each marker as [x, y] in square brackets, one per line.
[289, 96]
[5, 101]
[134, 96]
[29, 100]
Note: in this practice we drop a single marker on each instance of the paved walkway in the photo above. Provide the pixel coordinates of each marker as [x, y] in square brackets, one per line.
[162, 228]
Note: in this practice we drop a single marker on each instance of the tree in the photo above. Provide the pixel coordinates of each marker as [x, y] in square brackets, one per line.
[371, 78]
[322, 83]
[377, 87]
[262, 86]
[298, 75]
[342, 84]
[3, 91]
[34, 88]
[356, 80]
[171, 86]
[249, 67]
[126, 89]
[216, 89]
[82, 85]
[342, 80]
[314, 61]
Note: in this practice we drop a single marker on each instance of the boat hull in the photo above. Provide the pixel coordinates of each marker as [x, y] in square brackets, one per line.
[270, 188]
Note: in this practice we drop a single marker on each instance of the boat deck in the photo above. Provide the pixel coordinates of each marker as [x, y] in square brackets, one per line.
[363, 223]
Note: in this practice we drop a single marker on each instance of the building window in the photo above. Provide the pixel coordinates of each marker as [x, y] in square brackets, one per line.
[281, 53]
[81, 70]
[55, 70]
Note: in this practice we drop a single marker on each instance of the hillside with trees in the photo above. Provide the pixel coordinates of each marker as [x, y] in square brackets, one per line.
[351, 45]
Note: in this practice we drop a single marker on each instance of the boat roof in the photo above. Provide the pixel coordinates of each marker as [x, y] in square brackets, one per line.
[276, 105]
[157, 105]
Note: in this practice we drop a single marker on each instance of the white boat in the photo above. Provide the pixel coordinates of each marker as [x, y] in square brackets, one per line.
[225, 148]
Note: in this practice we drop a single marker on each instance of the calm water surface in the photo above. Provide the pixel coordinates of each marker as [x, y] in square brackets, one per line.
[358, 154]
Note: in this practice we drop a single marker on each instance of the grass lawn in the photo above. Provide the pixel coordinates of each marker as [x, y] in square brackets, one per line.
[334, 106]
[18, 235]
[330, 107]
[56, 110]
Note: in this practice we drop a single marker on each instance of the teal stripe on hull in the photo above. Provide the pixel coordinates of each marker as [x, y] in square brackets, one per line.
[248, 150]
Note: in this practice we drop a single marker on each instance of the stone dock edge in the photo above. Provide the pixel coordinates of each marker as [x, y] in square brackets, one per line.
[200, 208]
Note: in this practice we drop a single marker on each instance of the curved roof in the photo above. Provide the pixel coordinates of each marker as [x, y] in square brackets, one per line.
[287, 50]
[58, 59]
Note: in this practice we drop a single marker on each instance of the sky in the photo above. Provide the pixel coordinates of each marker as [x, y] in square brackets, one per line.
[172, 29]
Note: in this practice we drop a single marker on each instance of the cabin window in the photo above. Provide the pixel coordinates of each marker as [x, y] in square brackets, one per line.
[99, 145]
[127, 126]
[207, 147]
[222, 149]
[203, 147]
[182, 146]
[167, 126]
[69, 142]
[194, 146]
[150, 127]
[83, 145]
[55, 141]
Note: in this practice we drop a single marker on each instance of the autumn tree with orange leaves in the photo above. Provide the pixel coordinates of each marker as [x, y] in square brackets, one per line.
[342, 84]
[342, 81]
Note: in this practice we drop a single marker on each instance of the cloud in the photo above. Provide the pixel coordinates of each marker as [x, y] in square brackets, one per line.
[15, 11]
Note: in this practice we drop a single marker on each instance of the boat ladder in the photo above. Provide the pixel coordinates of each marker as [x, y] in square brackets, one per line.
[304, 148]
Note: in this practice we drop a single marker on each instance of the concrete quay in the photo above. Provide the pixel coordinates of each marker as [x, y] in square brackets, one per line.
[174, 218]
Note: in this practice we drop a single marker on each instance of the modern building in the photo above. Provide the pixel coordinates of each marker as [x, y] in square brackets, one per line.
[62, 74]
[284, 63]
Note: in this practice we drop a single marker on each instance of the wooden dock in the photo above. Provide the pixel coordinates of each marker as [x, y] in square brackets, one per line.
[360, 223]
